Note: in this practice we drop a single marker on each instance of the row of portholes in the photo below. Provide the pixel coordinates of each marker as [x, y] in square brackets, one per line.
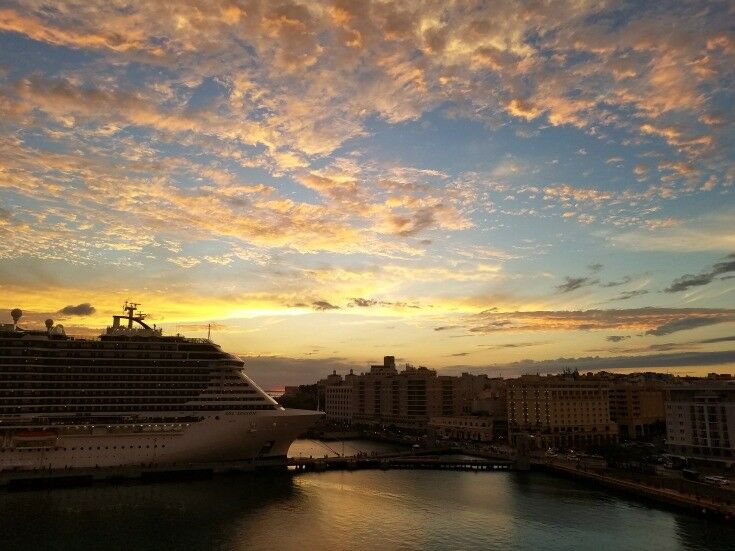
[89, 448]
[114, 447]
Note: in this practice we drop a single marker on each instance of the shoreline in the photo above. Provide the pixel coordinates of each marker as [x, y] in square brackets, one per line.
[701, 500]
[694, 503]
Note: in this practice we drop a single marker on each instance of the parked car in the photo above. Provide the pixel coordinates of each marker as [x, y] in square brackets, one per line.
[716, 480]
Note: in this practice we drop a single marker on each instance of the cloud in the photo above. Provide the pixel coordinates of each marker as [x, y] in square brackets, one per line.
[687, 281]
[447, 327]
[711, 232]
[84, 309]
[617, 338]
[657, 321]
[640, 169]
[718, 339]
[597, 363]
[512, 345]
[185, 261]
[573, 283]
[626, 279]
[627, 295]
[523, 108]
[323, 305]
[362, 302]
[687, 323]
[667, 346]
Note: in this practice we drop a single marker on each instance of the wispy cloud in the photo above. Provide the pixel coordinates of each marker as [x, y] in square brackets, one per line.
[704, 278]
[323, 306]
[573, 283]
[627, 295]
[653, 321]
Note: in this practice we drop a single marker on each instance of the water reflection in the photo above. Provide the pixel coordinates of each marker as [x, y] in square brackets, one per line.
[204, 514]
[700, 534]
[359, 510]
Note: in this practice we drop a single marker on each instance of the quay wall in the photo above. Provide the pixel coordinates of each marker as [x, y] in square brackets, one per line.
[712, 501]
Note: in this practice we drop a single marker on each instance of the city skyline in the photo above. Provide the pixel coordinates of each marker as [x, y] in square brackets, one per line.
[321, 184]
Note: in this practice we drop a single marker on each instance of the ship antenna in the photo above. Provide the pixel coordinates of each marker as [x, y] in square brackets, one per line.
[130, 307]
[209, 331]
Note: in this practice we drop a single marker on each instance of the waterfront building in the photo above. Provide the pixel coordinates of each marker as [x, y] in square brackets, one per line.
[407, 399]
[338, 401]
[492, 402]
[700, 420]
[561, 411]
[637, 408]
[463, 427]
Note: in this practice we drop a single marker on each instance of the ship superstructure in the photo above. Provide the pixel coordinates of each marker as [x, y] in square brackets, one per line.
[132, 397]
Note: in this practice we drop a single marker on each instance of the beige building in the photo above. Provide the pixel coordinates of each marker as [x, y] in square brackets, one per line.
[385, 396]
[338, 403]
[561, 411]
[637, 409]
[700, 421]
[463, 427]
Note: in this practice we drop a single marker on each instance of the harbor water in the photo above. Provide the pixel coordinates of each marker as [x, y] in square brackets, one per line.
[355, 510]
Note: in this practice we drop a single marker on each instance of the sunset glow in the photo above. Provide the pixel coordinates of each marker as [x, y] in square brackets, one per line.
[324, 183]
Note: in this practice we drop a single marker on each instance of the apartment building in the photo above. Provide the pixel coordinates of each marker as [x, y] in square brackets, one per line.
[638, 409]
[700, 420]
[408, 398]
[561, 411]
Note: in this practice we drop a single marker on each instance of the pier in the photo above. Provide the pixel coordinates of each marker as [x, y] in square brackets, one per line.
[436, 462]
[436, 458]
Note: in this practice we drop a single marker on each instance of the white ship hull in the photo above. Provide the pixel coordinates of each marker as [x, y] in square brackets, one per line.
[132, 400]
[220, 438]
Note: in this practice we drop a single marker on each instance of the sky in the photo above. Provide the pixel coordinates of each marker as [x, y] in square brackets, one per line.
[508, 187]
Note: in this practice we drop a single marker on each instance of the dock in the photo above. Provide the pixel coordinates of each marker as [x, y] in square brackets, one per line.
[435, 462]
[437, 459]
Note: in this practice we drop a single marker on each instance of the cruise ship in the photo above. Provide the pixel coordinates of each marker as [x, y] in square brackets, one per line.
[132, 398]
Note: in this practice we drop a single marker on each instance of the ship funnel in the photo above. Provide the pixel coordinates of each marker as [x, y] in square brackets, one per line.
[16, 314]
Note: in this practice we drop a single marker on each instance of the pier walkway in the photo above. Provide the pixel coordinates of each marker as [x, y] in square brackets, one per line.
[436, 458]
[442, 462]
